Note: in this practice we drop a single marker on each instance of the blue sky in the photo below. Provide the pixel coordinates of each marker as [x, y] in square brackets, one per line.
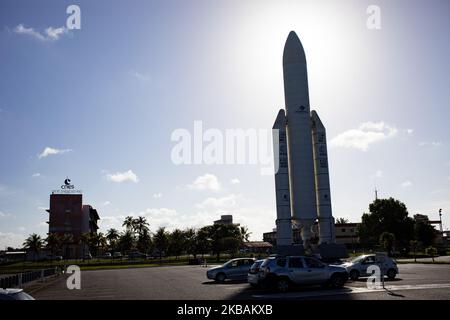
[106, 99]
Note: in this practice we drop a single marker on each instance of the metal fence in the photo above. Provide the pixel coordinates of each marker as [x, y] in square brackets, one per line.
[17, 280]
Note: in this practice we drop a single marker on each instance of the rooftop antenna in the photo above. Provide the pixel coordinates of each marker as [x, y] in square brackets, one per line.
[376, 193]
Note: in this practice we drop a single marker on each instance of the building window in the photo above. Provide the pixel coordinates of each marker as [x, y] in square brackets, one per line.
[342, 230]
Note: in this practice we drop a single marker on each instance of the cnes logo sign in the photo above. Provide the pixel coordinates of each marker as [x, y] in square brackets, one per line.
[67, 185]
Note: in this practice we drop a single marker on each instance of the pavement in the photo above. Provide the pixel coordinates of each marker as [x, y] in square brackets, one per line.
[415, 281]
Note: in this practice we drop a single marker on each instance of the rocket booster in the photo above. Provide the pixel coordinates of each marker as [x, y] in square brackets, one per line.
[283, 222]
[323, 198]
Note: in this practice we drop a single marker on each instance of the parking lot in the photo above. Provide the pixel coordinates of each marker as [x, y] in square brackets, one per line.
[415, 281]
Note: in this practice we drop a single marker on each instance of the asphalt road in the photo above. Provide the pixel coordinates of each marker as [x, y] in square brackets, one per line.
[415, 281]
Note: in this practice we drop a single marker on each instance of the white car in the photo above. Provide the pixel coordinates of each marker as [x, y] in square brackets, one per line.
[254, 276]
[358, 266]
[14, 294]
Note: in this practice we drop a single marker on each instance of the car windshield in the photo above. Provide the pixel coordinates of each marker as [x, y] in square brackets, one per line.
[357, 259]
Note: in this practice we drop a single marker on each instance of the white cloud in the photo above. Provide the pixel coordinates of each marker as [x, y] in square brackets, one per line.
[409, 131]
[10, 239]
[157, 195]
[123, 176]
[377, 174]
[51, 151]
[205, 182]
[212, 203]
[235, 181]
[36, 175]
[406, 183]
[50, 33]
[106, 203]
[365, 135]
[140, 76]
[21, 229]
[5, 215]
[432, 143]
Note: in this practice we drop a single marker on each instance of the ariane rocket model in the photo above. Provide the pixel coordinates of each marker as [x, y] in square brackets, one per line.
[301, 161]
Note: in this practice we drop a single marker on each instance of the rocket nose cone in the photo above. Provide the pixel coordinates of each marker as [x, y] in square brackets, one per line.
[293, 50]
[316, 120]
[280, 121]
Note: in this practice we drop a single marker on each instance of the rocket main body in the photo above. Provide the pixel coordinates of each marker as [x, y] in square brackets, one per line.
[306, 175]
[301, 164]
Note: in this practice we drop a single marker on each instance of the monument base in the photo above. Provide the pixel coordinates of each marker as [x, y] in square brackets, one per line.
[292, 250]
[331, 251]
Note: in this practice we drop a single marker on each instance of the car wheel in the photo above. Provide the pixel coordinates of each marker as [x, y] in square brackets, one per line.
[220, 277]
[354, 275]
[282, 284]
[337, 281]
[391, 273]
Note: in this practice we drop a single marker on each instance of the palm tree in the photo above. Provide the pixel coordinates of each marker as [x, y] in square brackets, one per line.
[34, 244]
[161, 241]
[342, 220]
[245, 234]
[53, 241]
[141, 225]
[128, 223]
[112, 235]
[126, 241]
[66, 240]
[85, 239]
[100, 241]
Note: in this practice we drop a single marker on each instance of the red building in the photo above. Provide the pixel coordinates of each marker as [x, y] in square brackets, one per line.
[68, 216]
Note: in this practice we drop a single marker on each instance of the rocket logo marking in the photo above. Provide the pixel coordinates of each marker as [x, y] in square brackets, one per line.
[301, 109]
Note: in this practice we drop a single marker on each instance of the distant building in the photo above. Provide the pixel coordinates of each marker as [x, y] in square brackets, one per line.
[225, 219]
[69, 216]
[441, 236]
[258, 247]
[346, 233]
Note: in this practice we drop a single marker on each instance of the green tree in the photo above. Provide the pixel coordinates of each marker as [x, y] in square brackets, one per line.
[53, 242]
[161, 241]
[424, 232]
[85, 240]
[245, 234]
[431, 251]
[414, 244]
[387, 241]
[144, 241]
[141, 225]
[67, 240]
[34, 244]
[97, 241]
[190, 241]
[112, 235]
[129, 223]
[177, 243]
[342, 220]
[203, 242]
[386, 215]
[126, 241]
[224, 238]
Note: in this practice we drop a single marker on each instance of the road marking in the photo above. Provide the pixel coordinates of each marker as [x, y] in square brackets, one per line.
[348, 290]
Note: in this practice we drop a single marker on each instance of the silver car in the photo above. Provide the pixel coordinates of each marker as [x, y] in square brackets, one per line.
[235, 269]
[285, 271]
[358, 266]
